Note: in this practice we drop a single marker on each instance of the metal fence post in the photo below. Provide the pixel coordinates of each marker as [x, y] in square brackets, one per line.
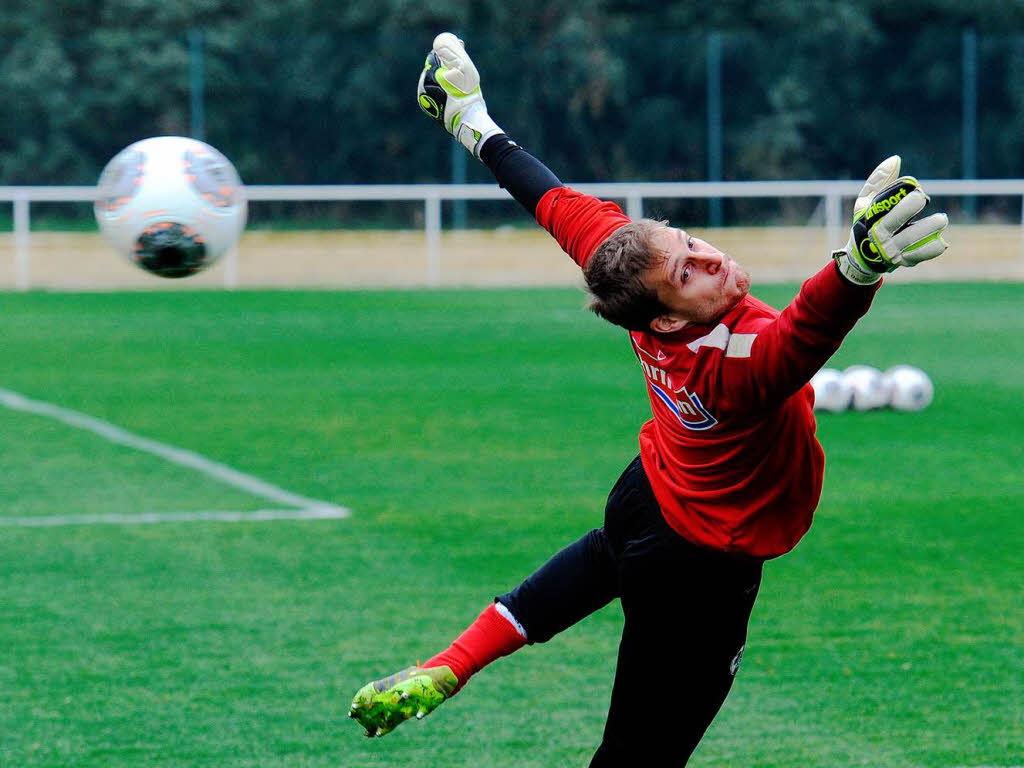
[714, 90]
[432, 223]
[833, 219]
[231, 268]
[1022, 229]
[635, 206]
[22, 274]
[969, 116]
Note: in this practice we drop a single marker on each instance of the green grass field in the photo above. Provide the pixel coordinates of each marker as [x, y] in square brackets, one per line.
[473, 434]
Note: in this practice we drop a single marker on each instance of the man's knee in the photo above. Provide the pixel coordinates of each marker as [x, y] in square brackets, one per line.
[571, 585]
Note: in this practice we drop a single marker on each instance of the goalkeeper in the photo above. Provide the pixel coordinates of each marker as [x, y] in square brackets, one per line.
[729, 470]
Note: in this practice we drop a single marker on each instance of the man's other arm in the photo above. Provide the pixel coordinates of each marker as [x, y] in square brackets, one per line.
[449, 92]
[783, 355]
[762, 369]
[579, 222]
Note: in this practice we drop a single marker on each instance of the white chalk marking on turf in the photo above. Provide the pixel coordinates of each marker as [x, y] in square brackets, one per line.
[309, 509]
[147, 518]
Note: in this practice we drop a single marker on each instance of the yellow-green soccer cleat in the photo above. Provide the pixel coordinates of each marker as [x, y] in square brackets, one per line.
[383, 705]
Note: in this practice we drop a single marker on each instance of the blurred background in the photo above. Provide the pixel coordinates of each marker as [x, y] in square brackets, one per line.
[307, 92]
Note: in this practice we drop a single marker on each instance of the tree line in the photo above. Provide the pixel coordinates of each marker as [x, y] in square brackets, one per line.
[308, 91]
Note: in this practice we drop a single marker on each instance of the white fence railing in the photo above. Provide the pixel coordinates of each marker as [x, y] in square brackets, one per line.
[832, 194]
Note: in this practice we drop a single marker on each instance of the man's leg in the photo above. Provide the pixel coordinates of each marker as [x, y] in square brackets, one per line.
[672, 677]
[686, 612]
[571, 585]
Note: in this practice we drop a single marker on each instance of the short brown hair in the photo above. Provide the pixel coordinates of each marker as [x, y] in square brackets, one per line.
[615, 274]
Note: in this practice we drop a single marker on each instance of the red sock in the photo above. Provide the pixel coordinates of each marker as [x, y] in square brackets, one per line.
[487, 639]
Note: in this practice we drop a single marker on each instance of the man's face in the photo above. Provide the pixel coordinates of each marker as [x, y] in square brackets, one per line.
[695, 280]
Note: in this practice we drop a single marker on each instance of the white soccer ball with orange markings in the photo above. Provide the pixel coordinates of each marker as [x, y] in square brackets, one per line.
[171, 205]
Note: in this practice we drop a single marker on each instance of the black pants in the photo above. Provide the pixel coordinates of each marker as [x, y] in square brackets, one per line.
[686, 611]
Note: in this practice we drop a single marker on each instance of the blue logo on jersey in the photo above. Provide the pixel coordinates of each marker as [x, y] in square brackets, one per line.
[687, 407]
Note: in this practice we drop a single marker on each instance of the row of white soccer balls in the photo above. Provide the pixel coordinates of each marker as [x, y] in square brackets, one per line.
[863, 388]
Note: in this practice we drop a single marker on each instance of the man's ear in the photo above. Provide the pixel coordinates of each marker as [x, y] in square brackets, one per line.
[667, 324]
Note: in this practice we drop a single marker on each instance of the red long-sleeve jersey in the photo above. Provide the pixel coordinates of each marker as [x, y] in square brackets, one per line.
[730, 452]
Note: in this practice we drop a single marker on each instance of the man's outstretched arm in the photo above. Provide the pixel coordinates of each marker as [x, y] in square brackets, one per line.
[449, 92]
[783, 355]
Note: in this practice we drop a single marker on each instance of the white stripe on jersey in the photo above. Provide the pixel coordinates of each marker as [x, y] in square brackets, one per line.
[718, 338]
[733, 344]
[740, 344]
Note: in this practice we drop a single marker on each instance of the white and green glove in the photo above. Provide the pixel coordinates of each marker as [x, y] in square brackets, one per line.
[449, 92]
[884, 235]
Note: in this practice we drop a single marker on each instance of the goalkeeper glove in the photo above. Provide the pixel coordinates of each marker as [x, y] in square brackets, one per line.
[449, 92]
[883, 237]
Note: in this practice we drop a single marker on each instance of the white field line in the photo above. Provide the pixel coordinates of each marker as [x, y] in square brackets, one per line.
[145, 518]
[308, 509]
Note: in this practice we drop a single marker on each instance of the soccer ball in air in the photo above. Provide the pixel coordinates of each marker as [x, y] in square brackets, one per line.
[869, 389]
[831, 392]
[910, 389]
[170, 204]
